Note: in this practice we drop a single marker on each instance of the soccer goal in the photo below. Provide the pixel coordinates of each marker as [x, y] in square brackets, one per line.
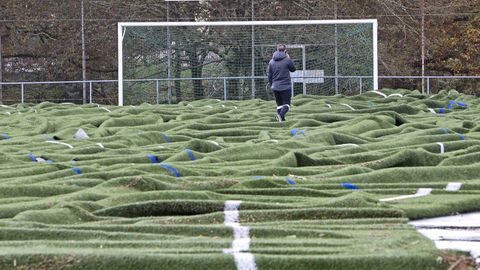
[166, 62]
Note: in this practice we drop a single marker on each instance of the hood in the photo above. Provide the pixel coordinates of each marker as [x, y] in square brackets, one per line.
[278, 56]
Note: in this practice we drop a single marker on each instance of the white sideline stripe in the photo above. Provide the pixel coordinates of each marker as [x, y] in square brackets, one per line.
[348, 106]
[214, 142]
[328, 105]
[62, 143]
[453, 186]
[5, 106]
[347, 145]
[395, 95]
[379, 93]
[241, 243]
[101, 145]
[245, 261]
[442, 147]
[103, 108]
[432, 110]
[420, 193]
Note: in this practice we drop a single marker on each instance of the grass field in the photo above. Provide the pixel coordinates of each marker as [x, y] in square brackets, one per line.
[148, 188]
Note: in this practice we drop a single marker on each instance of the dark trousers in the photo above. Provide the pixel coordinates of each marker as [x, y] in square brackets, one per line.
[283, 99]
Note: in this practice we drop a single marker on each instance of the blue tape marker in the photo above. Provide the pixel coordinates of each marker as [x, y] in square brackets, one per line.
[462, 137]
[442, 110]
[5, 137]
[296, 131]
[290, 181]
[152, 158]
[349, 186]
[165, 138]
[444, 130]
[462, 104]
[451, 104]
[32, 157]
[190, 153]
[77, 170]
[177, 173]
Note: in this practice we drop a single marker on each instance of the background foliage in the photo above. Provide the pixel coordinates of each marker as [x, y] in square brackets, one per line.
[41, 39]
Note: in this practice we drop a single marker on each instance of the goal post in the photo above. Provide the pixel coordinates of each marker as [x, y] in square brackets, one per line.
[161, 61]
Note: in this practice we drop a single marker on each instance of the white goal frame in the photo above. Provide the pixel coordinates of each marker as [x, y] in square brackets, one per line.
[122, 25]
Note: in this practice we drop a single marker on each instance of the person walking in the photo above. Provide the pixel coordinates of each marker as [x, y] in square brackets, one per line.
[279, 79]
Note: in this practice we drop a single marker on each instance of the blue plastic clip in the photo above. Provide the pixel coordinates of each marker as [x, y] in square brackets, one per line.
[290, 181]
[297, 131]
[173, 170]
[462, 104]
[165, 138]
[451, 104]
[152, 158]
[190, 153]
[5, 137]
[77, 170]
[32, 157]
[349, 186]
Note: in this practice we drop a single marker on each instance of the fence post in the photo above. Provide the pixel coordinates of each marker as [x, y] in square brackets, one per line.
[428, 86]
[361, 85]
[224, 89]
[23, 92]
[157, 82]
[91, 92]
[169, 91]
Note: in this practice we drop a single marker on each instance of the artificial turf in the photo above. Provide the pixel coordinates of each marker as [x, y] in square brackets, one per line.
[147, 189]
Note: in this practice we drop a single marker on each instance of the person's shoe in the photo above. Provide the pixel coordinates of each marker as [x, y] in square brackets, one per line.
[278, 117]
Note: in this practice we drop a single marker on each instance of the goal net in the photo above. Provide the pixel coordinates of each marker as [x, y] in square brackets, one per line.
[167, 62]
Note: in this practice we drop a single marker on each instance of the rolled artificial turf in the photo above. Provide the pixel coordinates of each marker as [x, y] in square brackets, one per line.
[148, 188]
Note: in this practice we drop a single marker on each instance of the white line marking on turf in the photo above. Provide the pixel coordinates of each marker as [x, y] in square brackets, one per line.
[62, 143]
[347, 145]
[453, 186]
[241, 243]
[101, 145]
[420, 193]
[353, 109]
[103, 108]
[379, 93]
[395, 95]
[442, 147]
[432, 110]
[214, 142]
[328, 105]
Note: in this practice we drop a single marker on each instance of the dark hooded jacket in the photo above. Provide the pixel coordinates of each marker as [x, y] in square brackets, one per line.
[278, 72]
